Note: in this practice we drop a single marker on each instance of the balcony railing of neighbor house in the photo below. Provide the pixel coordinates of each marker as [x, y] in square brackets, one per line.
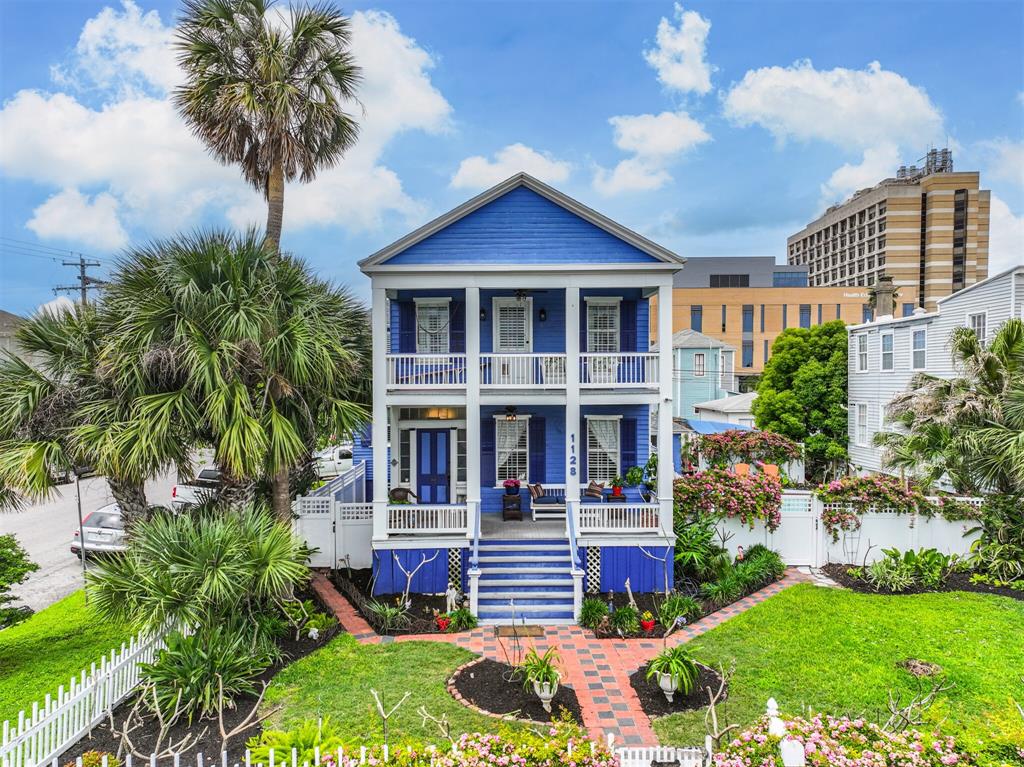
[639, 369]
[522, 370]
[417, 371]
[413, 518]
[619, 517]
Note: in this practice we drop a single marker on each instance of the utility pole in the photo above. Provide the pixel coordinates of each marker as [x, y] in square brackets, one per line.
[85, 282]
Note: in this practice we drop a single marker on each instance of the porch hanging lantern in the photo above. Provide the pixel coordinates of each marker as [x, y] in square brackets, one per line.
[510, 414]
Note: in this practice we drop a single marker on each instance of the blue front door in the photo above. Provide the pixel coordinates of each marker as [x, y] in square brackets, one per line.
[432, 465]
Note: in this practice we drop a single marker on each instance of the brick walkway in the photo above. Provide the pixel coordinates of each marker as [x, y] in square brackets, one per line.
[597, 669]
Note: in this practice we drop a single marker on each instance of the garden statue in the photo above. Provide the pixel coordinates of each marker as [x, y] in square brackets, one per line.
[451, 598]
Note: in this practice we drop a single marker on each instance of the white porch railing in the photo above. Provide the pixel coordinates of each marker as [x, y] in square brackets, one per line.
[522, 370]
[415, 518]
[418, 371]
[635, 369]
[619, 517]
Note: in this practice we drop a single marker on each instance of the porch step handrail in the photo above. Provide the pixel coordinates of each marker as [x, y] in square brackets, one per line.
[578, 572]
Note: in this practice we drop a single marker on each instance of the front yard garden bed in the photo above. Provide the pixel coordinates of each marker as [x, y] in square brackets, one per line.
[498, 689]
[653, 700]
[394, 615]
[954, 582]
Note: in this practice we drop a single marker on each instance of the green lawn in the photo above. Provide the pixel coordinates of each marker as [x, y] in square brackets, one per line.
[836, 651]
[335, 681]
[45, 651]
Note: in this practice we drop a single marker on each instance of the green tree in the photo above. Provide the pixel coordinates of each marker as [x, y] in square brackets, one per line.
[243, 348]
[15, 567]
[969, 428]
[802, 394]
[268, 91]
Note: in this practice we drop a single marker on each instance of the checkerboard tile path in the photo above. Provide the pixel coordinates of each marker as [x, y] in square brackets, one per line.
[597, 669]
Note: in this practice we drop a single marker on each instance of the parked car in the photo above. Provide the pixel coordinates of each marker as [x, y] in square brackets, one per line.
[332, 461]
[103, 530]
[206, 484]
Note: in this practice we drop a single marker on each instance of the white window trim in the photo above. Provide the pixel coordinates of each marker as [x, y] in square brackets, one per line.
[858, 353]
[703, 365]
[881, 352]
[604, 301]
[432, 302]
[497, 463]
[495, 315]
[859, 437]
[618, 457]
[983, 313]
[913, 332]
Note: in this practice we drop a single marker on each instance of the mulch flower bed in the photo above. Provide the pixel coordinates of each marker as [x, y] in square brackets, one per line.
[954, 582]
[206, 732]
[653, 701]
[355, 587]
[483, 685]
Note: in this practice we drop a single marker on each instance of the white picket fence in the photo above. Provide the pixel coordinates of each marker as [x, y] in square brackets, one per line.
[59, 722]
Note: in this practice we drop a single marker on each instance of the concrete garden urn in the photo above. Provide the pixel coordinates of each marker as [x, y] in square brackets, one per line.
[668, 684]
[546, 692]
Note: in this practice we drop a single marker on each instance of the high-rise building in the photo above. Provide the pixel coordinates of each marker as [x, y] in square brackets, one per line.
[927, 228]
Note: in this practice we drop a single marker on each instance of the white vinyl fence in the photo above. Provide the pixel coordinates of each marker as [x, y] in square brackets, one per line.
[802, 540]
[337, 519]
[59, 722]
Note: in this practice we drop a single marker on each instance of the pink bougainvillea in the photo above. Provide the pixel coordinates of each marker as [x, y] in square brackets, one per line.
[722, 493]
[747, 446]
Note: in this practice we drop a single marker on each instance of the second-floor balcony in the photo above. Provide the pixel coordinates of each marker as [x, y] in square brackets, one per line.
[612, 370]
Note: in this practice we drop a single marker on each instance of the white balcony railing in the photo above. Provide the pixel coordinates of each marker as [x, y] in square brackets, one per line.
[420, 371]
[408, 519]
[618, 517]
[634, 369]
[522, 371]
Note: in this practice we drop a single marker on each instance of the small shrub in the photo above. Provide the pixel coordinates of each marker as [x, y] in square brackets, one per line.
[625, 620]
[723, 591]
[675, 661]
[676, 606]
[771, 561]
[890, 575]
[387, 617]
[540, 668]
[15, 567]
[592, 611]
[95, 759]
[306, 738]
[462, 620]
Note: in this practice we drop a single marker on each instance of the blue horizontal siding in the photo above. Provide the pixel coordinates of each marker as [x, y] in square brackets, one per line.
[548, 336]
[432, 578]
[521, 227]
[554, 455]
[645, 574]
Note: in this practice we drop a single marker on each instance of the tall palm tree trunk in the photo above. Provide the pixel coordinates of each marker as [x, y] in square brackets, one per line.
[131, 499]
[275, 203]
[281, 497]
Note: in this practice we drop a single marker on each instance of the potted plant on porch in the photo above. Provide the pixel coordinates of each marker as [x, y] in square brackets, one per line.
[541, 673]
[511, 486]
[617, 484]
[674, 670]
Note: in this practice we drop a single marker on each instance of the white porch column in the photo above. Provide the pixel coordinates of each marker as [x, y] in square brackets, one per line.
[472, 405]
[379, 423]
[666, 470]
[572, 395]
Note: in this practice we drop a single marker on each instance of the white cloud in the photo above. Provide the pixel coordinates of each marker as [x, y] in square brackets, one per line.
[1004, 159]
[58, 305]
[1006, 237]
[70, 215]
[876, 163]
[136, 149]
[845, 107]
[478, 172]
[679, 54]
[655, 141]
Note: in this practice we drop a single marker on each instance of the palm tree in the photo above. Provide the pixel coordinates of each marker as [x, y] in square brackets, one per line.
[268, 92]
[971, 427]
[67, 410]
[243, 346]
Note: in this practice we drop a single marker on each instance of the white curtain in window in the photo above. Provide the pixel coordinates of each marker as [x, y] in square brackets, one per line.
[509, 436]
[606, 432]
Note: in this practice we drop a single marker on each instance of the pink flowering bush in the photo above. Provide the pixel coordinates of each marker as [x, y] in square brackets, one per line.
[830, 741]
[720, 493]
[852, 496]
[721, 449]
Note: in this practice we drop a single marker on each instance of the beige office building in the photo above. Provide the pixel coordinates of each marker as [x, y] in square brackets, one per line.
[927, 229]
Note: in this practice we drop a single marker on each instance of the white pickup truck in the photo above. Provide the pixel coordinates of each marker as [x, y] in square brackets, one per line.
[333, 460]
[188, 492]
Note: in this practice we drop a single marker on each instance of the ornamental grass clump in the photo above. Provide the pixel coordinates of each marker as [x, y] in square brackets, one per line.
[831, 741]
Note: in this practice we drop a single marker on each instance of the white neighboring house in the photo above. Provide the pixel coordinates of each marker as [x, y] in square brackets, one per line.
[886, 354]
[735, 409]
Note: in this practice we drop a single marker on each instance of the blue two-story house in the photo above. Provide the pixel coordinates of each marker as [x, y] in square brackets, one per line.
[511, 342]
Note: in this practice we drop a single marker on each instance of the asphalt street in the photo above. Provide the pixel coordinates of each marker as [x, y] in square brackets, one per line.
[45, 531]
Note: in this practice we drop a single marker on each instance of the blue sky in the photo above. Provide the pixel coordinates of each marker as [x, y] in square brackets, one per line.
[715, 128]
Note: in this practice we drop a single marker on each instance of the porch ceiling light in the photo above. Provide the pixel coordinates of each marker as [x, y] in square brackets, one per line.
[542, 315]
[510, 414]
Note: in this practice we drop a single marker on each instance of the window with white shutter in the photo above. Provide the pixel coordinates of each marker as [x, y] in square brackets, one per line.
[432, 322]
[512, 443]
[602, 448]
[512, 325]
[603, 326]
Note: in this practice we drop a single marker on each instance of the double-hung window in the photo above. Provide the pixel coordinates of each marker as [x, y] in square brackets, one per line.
[602, 448]
[919, 349]
[887, 362]
[860, 436]
[977, 322]
[512, 449]
[862, 353]
[603, 325]
[698, 364]
[432, 320]
[512, 325]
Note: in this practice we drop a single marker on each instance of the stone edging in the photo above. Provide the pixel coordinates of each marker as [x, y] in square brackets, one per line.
[450, 684]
